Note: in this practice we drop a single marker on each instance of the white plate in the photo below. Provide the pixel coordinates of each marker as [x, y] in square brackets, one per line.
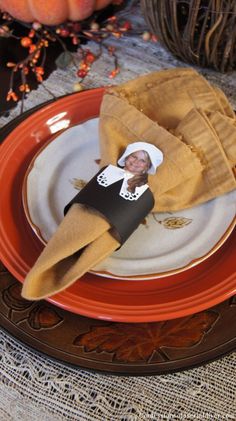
[168, 242]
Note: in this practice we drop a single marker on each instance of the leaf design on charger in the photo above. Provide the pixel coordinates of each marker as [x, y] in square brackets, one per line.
[174, 222]
[134, 342]
[13, 299]
[43, 317]
[78, 183]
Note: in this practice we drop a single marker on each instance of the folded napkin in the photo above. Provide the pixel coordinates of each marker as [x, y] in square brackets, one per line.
[190, 121]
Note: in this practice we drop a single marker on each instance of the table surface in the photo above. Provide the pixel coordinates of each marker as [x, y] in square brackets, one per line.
[33, 387]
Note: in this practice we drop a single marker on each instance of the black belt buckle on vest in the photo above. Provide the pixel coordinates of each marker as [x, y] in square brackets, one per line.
[123, 215]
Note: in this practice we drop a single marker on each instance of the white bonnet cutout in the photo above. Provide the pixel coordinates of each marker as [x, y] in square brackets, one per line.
[155, 154]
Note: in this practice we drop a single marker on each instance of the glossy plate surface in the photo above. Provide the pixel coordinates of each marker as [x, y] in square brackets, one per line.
[166, 244]
[196, 289]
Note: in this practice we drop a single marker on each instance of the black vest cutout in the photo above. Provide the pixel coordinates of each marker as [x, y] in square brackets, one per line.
[124, 215]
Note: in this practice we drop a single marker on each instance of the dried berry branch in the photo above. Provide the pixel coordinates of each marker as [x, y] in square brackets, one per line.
[39, 37]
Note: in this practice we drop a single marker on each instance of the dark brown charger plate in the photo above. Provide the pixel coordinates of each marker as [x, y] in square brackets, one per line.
[119, 348]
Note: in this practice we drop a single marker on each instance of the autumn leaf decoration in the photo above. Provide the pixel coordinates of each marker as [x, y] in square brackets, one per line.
[137, 342]
[78, 183]
[173, 222]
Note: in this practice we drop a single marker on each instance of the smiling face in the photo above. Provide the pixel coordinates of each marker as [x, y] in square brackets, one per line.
[138, 162]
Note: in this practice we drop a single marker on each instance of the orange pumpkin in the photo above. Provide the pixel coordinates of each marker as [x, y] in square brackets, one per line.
[51, 12]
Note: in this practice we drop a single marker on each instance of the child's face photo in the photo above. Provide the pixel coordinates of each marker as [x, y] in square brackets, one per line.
[137, 162]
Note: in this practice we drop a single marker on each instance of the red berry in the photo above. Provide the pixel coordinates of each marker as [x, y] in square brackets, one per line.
[154, 38]
[64, 32]
[39, 70]
[114, 72]
[112, 19]
[31, 33]
[32, 48]
[22, 88]
[81, 73]
[126, 26]
[90, 58]
[26, 42]
[75, 40]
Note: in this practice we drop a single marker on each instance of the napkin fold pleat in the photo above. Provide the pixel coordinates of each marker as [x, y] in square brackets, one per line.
[217, 176]
[225, 129]
[167, 96]
[193, 124]
[226, 107]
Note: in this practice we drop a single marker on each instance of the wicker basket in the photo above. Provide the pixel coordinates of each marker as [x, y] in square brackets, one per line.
[201, 32]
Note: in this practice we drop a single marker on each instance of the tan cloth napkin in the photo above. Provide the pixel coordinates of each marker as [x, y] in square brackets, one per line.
[194, 126]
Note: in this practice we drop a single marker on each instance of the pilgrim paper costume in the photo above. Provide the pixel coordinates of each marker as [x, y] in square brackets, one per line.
[122, 195]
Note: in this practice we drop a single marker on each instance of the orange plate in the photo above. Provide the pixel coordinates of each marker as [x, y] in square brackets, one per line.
[175, 296]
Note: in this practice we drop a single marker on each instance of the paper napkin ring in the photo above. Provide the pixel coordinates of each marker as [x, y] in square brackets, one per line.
[123, 215]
